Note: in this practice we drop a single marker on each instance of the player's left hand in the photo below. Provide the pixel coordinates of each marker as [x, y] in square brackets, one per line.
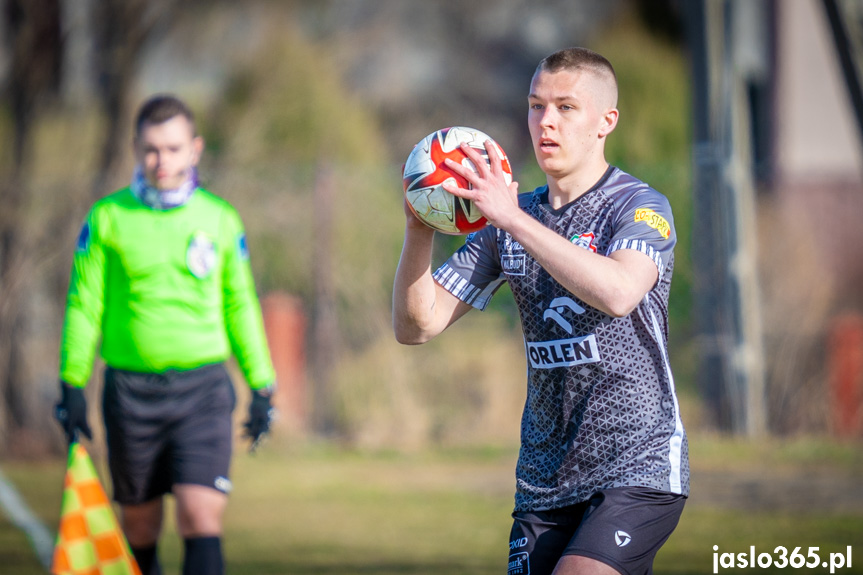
[261, 415]
[493, 197]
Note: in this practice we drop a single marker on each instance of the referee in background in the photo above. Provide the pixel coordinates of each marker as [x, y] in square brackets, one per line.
[161, 275]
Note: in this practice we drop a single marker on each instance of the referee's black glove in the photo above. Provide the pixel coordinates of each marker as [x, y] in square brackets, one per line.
[261, 414]
[71, 412]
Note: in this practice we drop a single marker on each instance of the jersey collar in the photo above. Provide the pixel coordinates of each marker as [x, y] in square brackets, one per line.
[162, 199]
[543, 196]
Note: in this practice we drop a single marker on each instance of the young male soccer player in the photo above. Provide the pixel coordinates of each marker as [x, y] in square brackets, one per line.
[603, 473]
[161, 273]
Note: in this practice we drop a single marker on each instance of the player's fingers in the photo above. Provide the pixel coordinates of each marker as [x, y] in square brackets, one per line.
[452, 187]
[476, 158]
[461, 170]
[494, 160]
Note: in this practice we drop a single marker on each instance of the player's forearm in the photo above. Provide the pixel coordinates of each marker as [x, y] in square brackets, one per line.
[414, 289]
[599, 281]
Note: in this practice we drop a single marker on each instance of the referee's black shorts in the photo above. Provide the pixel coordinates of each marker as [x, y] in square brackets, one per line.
[167, 429]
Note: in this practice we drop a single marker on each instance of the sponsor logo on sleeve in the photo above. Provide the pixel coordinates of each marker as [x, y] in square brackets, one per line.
[654, 220]
[83, 238]
[242, 247]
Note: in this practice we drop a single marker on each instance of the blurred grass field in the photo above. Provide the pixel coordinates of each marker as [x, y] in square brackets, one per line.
[321, 510]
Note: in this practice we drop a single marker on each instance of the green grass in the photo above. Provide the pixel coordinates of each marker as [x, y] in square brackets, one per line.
[318, 509]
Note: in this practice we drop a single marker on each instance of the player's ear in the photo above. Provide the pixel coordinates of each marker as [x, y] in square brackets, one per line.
[197, 148]
[608, 122]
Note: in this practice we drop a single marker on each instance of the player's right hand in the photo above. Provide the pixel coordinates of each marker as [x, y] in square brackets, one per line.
[487, 188]
[71, 412]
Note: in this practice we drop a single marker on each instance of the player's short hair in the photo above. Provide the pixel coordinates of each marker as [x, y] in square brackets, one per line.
[577, 58]
[161, 108]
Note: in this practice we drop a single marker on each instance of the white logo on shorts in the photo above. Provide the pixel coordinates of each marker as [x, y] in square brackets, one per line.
[622, 538]
[519, 564]
[517, 543]
[223, 484]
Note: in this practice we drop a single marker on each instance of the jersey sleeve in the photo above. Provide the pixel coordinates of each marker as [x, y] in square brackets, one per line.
[85, 302]
[644, 222]
[473, 273]
[242, 309]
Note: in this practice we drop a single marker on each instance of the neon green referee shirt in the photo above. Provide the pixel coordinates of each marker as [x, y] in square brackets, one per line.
[164, 289]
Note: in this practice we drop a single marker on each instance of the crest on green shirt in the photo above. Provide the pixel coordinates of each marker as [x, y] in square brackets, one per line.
[201, 255]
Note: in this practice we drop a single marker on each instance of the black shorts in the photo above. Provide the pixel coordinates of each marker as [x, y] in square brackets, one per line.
[622, 527]
[167, 429]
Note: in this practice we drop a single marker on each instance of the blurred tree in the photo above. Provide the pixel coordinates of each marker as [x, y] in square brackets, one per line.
[121, 29]
[32, 90]
[33, 33]
[314, 194]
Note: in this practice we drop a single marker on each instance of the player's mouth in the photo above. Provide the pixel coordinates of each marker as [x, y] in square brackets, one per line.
[547, 145]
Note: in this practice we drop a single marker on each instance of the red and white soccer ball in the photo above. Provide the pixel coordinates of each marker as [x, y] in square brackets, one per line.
[425, 173]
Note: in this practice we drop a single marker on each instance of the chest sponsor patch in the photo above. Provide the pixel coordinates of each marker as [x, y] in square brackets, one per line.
[654, 220]
[510, 245]
[201, 255]
[563, 352]
[513, 264]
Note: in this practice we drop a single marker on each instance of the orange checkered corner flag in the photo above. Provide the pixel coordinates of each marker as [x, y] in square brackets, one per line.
[90, 541]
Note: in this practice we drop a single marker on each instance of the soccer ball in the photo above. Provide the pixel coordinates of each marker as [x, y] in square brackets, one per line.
[425, 173]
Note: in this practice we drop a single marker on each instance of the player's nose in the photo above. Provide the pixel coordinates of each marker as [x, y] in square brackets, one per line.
[548, 118]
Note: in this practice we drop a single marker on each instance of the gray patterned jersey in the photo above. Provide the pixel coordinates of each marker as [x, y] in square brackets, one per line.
[601, 410]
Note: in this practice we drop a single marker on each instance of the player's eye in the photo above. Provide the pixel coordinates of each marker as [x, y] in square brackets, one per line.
[567, 107]
[536, 106]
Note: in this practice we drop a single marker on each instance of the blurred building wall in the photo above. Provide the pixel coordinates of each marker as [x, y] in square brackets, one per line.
[815, 130]
[818, 177]
[812, 237]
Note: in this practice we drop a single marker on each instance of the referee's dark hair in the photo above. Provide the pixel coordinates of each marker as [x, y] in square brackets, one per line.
[161, 108]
